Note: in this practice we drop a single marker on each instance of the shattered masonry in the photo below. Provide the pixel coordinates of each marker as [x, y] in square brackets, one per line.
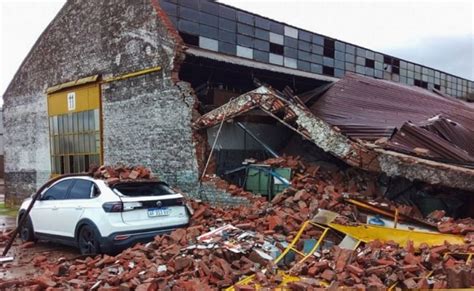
[359, 154]
[222, 246]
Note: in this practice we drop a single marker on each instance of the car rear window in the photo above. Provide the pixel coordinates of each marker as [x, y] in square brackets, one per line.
[133, 189]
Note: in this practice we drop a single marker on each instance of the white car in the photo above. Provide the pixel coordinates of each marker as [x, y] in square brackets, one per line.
[98, 218]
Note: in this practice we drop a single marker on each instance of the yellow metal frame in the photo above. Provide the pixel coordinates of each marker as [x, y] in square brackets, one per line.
[291, 247]
[131, 75]
[368, 233]
[362, 233]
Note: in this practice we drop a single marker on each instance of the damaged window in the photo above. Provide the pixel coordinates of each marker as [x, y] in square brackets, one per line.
[143, 189]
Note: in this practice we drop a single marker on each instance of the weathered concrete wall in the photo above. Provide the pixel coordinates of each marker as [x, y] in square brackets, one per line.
[145, 119]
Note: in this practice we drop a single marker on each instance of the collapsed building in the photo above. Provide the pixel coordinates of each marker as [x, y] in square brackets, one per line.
[169, 84]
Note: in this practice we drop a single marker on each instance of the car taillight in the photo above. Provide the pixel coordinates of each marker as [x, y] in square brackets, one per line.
[113, 206]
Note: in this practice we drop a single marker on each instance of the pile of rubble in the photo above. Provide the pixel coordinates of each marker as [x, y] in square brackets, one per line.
[223, 245]
[114, 174]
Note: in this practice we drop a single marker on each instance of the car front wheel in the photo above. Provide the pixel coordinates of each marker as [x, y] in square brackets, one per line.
[26, 231]
[88, 240]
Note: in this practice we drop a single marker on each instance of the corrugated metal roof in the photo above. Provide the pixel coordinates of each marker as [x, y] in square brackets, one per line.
[368, 108]
[417, 121]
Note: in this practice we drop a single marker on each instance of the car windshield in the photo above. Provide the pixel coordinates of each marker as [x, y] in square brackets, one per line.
[133, 189]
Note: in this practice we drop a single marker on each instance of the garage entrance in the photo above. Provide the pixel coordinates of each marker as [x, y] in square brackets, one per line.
[75, 126]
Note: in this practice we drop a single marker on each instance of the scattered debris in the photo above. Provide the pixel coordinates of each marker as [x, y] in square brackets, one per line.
[223, 246]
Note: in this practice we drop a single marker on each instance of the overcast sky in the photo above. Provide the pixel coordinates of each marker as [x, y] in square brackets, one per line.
[438, 34]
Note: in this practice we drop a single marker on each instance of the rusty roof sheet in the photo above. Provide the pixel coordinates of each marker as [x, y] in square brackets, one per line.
[418, 122]
[369, 109]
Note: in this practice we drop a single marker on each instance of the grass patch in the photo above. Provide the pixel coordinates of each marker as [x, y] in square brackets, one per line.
[4, 211]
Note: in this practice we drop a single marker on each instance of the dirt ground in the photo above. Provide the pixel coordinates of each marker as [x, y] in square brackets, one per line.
[22, 267]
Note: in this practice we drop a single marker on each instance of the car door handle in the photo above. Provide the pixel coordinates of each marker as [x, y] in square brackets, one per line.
[78, 207]
[55, 208]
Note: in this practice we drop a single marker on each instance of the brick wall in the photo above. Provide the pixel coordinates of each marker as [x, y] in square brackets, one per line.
[145, 119]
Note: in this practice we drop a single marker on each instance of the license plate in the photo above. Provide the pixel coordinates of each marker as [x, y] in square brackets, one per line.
[164, 211]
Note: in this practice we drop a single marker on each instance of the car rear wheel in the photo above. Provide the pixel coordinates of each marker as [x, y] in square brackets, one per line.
[26, 231]
[88, 240]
